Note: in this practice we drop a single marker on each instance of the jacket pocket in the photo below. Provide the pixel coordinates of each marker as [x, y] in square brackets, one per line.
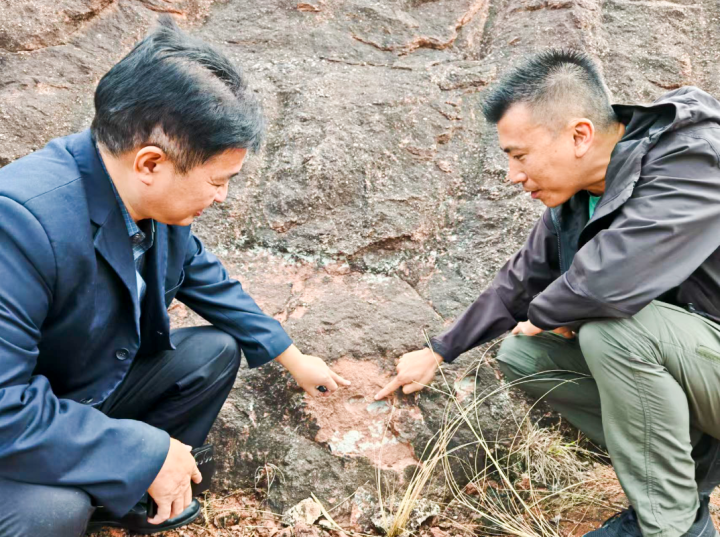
[708, 353]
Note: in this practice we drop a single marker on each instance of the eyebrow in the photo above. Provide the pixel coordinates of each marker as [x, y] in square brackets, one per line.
[511, 148]
[226, 177]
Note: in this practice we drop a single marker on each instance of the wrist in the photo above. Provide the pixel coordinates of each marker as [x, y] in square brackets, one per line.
[289, 357]
[437, 358]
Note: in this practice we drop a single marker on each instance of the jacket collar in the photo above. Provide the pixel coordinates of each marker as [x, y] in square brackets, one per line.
[111, 239]
[101, 199]
[644, 125]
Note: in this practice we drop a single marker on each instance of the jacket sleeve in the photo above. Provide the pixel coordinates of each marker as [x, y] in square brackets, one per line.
[45, 439]
[208, 290]
[505, 303]
[660, 236]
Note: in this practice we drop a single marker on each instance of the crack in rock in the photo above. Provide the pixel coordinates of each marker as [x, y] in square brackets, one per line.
[547, 4]
[425, 42]
[153, 6]
[53, 35]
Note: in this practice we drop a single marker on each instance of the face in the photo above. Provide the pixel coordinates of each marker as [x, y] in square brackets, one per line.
[544, 162]
[171, 198]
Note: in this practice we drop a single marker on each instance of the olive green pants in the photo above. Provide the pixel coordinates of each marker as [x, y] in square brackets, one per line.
[646, 387]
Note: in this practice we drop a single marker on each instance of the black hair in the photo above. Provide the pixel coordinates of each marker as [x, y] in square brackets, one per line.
[553, 82]
[179, 93]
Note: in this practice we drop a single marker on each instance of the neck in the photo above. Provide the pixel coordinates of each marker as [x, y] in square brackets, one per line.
[116, 169]
[605, 144]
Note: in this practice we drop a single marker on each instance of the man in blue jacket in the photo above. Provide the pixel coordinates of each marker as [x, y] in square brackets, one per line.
[100, 402]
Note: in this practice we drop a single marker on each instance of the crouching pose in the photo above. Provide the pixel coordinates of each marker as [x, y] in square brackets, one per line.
[615, 297]
[100, 402]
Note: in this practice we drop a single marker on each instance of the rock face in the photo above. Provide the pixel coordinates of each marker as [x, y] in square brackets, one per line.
[377, 208]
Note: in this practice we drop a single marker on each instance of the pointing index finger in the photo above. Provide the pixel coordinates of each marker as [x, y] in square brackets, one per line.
[337, 378]
[393, 385]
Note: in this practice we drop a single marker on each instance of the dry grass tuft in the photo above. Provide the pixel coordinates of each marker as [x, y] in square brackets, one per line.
[519, 486]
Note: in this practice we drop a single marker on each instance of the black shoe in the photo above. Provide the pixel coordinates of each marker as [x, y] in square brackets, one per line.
[625, 524]
[622, 524]
[136, 519]
[703, 525]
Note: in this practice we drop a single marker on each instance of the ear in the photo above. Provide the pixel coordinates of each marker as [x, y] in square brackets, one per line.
[149, 161]
[583, 136]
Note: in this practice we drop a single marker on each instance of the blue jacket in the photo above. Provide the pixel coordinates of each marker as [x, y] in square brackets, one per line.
[67, 323]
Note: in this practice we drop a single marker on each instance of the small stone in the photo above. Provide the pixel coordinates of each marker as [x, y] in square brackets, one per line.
[306, 512]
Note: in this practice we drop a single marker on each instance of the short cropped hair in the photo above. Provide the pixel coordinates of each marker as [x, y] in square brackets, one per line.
[180, 94]
[556, 85]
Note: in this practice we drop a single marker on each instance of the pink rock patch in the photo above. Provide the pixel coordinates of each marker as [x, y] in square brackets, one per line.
[353, 424]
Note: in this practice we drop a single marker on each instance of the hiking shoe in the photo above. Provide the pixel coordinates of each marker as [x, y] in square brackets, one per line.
[703, 525]
[622, 524]
[625, 524]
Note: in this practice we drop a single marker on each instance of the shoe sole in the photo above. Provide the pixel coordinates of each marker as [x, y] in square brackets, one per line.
[112, 524]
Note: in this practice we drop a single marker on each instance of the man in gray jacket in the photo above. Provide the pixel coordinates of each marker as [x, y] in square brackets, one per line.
[627, 259]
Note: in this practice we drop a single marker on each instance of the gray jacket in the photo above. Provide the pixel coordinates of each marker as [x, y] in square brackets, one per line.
[655, 234]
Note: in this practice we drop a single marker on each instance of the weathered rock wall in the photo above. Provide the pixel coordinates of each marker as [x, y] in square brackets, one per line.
[377, 208]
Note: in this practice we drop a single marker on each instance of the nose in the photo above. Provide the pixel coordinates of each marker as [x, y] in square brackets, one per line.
[221, 194]
[516, 177]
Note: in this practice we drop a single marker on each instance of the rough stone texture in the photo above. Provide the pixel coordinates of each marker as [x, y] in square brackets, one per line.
[285, 444]
[377, 208]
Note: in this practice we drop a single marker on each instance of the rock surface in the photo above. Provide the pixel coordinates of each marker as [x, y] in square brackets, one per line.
[377, 208]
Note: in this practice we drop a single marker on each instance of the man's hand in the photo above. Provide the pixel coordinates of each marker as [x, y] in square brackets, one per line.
[171, 489]
[415, 370]
[528, 329]
[310, 372]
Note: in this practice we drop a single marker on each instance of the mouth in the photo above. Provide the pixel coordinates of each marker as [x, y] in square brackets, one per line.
[199, 213]
[534, 194]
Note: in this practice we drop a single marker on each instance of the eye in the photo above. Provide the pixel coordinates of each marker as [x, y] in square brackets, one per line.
[519, 157]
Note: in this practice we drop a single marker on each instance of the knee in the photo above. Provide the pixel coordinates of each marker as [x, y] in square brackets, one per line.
[222, 355]
[211, 349]
[602, 339]
[515, 358]
[225, 349]
[591, 335]
[57, 511]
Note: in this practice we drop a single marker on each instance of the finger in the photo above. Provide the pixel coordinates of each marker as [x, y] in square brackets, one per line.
[516, 330]
[331, 385]
[565, 332]
[196, 476]
[313, 391]
[177, 507]
[189, 448]
[393, 385]
[163, 512]
[412, 387]
[188, 498]
[337, 378]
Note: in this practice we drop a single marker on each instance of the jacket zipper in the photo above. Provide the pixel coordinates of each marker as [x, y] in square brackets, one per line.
[557, 232]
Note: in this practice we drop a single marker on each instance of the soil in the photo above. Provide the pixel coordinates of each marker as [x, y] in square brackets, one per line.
[242, 515]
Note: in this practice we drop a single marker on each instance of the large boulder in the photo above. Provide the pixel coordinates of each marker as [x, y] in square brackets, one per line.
[285, 444]
[377, 208]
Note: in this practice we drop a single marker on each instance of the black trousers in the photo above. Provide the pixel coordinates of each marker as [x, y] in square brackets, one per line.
[180, 391]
